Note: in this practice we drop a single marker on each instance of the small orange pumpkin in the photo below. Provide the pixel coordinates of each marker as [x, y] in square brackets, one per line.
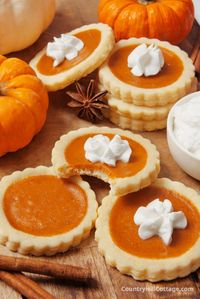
[169, 20]
[23, 104]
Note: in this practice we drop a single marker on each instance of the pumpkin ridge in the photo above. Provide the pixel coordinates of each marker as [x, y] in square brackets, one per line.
[120, 11]
[169, 2]
[3, 88]
[23, 130]
[13, 67]
[125, 8]
[117, 14]
[3, 144]
[36, 86]
[156, 8]
[27, 109]
[175, 15]
[2, 59]
[34, 99]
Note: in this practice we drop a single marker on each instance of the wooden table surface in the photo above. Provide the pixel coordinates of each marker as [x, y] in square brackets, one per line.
[108, 282]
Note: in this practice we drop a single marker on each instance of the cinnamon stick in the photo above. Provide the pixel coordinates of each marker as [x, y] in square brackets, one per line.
[41, 293]
[16, 283]
[44, 267]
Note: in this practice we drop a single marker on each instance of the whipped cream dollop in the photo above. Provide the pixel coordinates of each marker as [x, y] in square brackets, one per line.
[146, 61]
[187, 125]
[158, 218]
[64, 47]
[101, 149]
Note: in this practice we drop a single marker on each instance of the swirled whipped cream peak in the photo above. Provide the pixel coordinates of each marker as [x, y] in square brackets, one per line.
[159, 219]
[101, 149]
[187, 125]
[64, 47]
[146, 60]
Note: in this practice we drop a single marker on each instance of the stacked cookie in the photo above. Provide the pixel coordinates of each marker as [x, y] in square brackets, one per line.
[143, 103]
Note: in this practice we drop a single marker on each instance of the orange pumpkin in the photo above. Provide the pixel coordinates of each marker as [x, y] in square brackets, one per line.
[169, 20]
[23, 104]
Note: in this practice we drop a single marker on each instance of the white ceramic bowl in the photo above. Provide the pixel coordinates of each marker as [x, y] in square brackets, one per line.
[189, 163]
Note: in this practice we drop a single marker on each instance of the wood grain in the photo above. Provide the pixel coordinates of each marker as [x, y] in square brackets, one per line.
[108, 283]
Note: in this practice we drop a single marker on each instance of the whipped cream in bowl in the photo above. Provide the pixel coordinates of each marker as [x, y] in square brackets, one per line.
[183, 134]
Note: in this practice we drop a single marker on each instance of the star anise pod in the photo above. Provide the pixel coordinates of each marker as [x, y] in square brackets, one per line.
[88, 103]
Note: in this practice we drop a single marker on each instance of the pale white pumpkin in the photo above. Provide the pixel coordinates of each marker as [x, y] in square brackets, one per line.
[22, 22]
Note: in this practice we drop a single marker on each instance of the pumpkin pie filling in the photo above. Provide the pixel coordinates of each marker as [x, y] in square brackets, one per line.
[75, 156]
[124, 231]
[91, 39]
[44, 205]
[170, 72]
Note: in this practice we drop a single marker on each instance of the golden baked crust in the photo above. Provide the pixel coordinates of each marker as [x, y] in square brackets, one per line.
[135, 124]
[130, 110]
[26, 243]
[92, 62]
[138, 112]
[149, 96]
[119, 186]
[146, 268]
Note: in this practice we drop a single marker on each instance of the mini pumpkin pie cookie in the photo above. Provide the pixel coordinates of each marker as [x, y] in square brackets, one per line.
[147, 72]
[125, 160]
[42, 214]
[73, 55]
[152, 234]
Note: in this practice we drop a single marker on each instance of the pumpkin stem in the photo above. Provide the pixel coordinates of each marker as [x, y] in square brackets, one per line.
[146, 2]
